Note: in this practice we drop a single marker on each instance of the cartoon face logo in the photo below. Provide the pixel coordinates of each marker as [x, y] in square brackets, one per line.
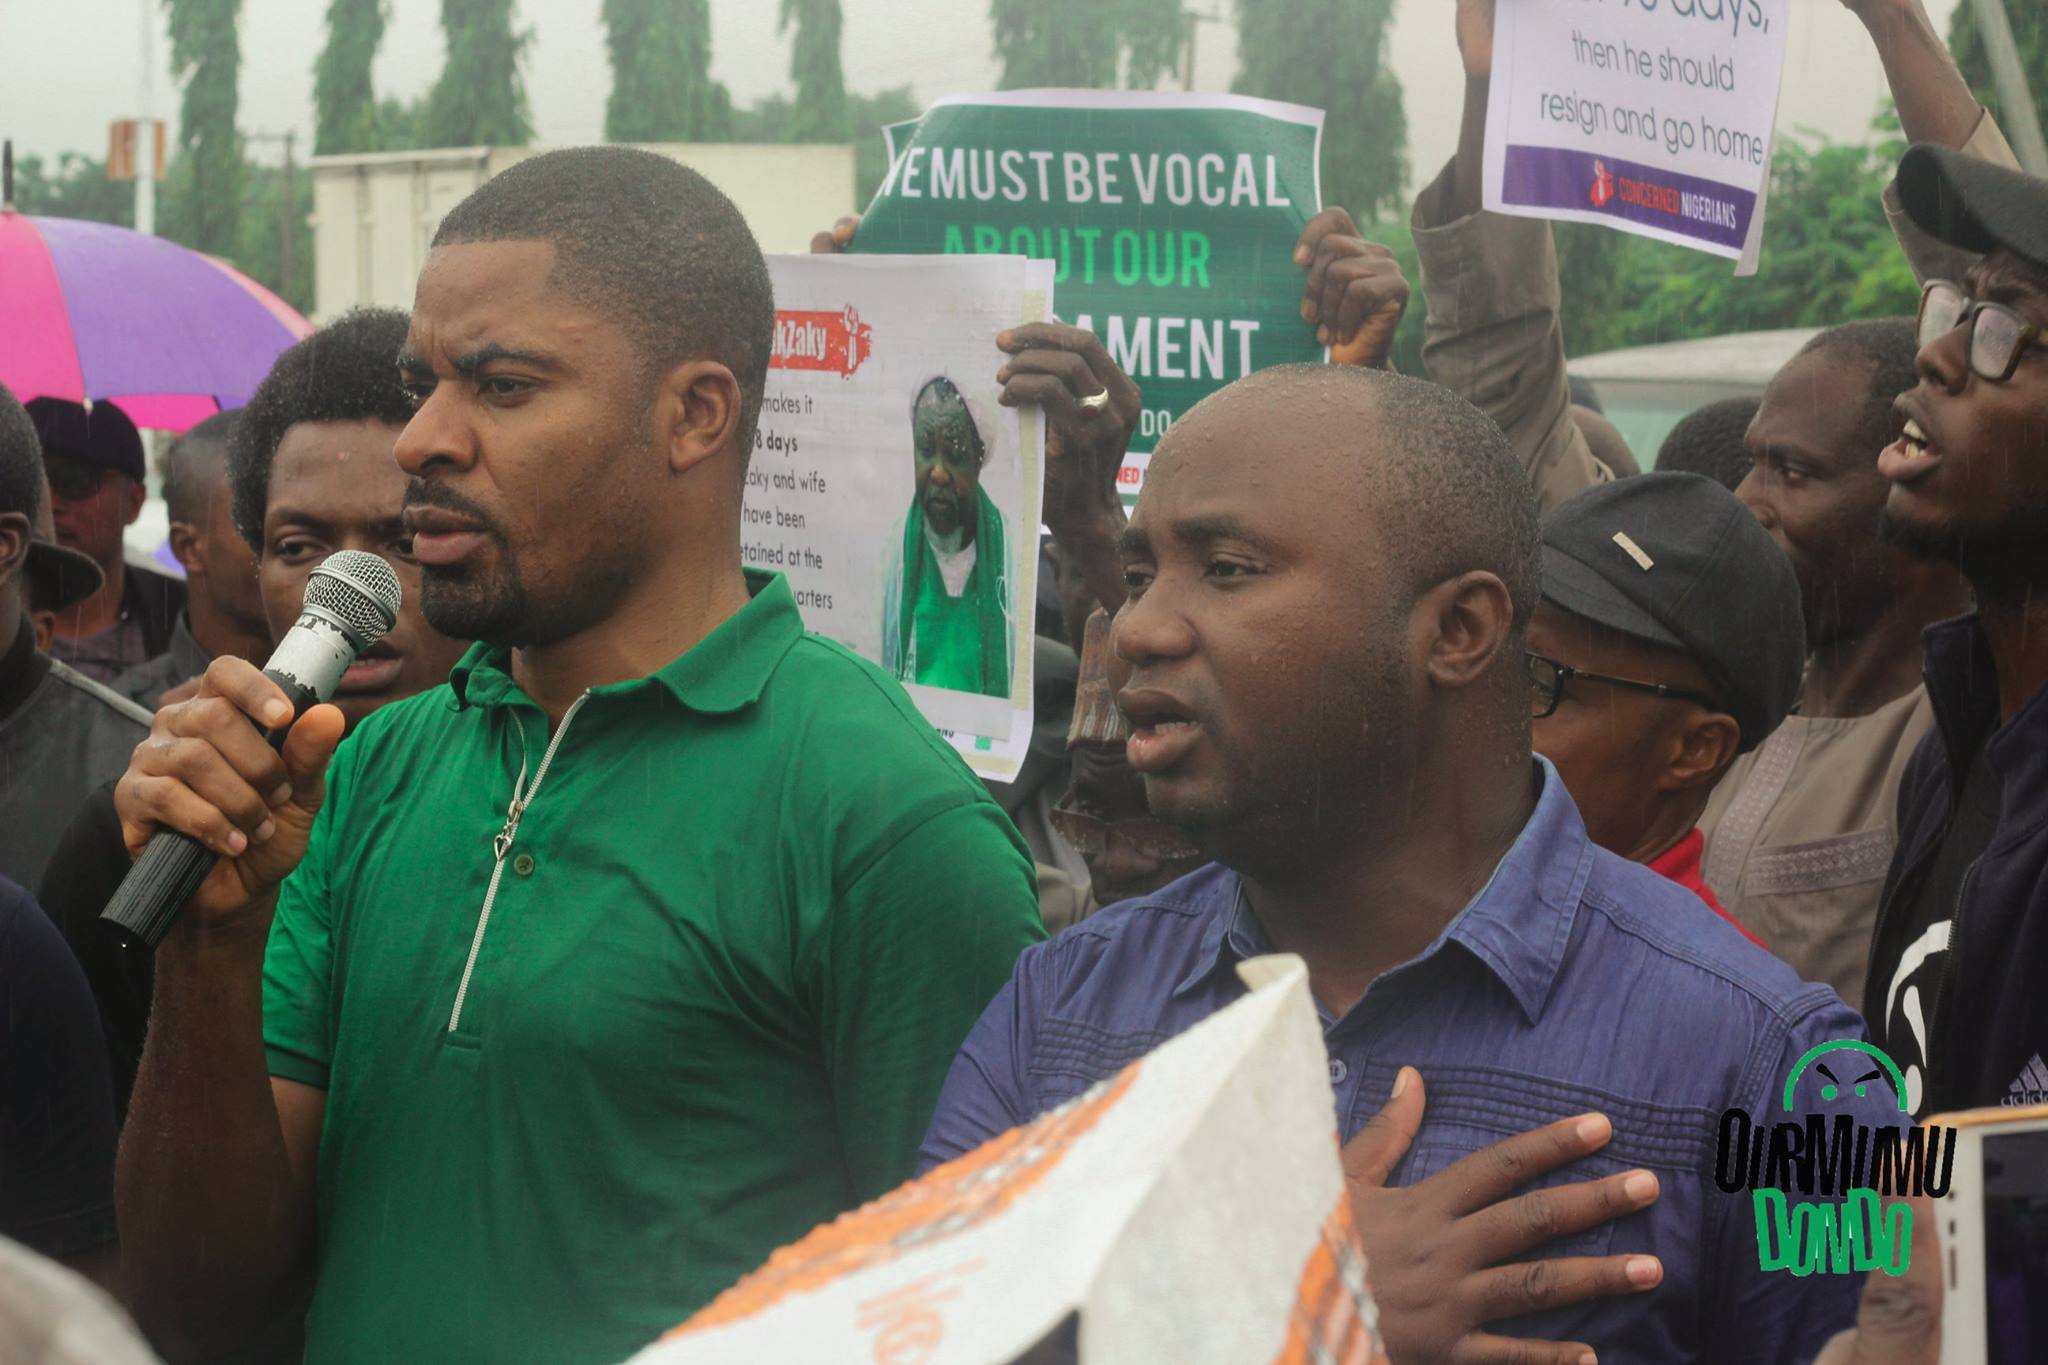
[1603, 185]
[1860, 1069]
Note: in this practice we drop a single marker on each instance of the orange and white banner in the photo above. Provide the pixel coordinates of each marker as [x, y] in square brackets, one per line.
[1189, 1209]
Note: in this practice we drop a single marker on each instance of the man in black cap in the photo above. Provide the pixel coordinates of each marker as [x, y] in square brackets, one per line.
[1668, 641]
[1962, 931]
[94, 460]
[61, 734]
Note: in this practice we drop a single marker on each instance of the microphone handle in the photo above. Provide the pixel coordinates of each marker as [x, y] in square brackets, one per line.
[173, 864]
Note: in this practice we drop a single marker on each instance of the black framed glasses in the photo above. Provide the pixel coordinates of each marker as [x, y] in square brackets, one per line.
[1998, 335]
[1547, 678]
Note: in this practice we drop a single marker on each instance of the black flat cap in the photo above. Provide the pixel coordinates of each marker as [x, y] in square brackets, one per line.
[1973, 204]
[1677, 560]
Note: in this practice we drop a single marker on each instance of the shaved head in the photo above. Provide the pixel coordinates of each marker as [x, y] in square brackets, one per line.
[1330, 572]
[1431, 474]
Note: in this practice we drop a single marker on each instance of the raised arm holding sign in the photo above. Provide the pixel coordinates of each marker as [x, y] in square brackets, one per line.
[1655, 119]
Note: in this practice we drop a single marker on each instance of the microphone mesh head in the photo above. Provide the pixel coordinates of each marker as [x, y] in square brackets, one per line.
[357, 589]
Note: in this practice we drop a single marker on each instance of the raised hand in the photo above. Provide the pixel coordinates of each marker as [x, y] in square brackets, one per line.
[836, 238]
[1355, 294]
[1475, 38]
[1058, 367]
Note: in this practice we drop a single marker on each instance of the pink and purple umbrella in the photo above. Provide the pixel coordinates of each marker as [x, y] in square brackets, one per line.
[93, 311]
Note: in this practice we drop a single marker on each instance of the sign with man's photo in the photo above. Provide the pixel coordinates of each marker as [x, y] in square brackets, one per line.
[897, 495]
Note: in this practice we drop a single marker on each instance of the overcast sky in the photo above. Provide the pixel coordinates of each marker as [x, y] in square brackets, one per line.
[69, 66]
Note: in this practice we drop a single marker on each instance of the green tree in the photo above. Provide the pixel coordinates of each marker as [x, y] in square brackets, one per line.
[662, 89]
[819, 114]
[480, 98]
[401, 124]
[2029, 20]
[75, 187]
[1331, 54]
[259, 248]
[1086, 42]
[344, 102]
[867, 115]
[204, 191]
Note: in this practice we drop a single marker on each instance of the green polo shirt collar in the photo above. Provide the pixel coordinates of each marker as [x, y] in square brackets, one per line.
[722, 673]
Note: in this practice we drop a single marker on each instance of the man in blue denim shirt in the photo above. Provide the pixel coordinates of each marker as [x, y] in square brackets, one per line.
[1325, 633]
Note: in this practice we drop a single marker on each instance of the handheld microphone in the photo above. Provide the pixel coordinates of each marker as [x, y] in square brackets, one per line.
[351, 600]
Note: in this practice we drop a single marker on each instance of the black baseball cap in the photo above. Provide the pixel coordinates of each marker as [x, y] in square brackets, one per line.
[1975, 204]
[1677, 560]
[103, 437]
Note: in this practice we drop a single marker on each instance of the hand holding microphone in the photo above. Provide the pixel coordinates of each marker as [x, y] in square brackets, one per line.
[218, 802]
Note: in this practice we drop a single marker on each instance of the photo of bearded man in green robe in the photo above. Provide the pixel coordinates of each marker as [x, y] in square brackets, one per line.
[946, 604]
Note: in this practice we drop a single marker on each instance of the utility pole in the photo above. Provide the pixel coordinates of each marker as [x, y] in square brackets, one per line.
[2015, 102]
[1191, 21]
[145, 127]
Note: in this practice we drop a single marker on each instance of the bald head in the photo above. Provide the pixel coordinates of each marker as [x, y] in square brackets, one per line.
[1349, 447]
[1330, 570]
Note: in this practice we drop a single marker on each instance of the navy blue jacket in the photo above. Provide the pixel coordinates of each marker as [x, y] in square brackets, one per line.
[1991, 1026]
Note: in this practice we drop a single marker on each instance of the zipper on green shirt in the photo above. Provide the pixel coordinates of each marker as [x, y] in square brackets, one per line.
[501, 843]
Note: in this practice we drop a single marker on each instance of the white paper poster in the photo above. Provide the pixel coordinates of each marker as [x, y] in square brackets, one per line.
[1652, 116]
[1205, 1173]
[898, 497]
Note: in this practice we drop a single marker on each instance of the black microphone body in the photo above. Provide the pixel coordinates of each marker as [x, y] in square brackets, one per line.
[352, 598]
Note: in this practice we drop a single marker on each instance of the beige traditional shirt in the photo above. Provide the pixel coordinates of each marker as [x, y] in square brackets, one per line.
[1800, 834]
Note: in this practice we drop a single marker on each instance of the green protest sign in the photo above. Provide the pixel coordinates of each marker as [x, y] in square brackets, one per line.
[1170, 219]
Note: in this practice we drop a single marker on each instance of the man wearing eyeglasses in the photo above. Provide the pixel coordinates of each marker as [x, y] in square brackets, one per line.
[94, 460]
[1669, 640]
[1962, 931]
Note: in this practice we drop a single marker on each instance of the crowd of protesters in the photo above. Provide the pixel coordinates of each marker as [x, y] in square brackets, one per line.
[540, 991]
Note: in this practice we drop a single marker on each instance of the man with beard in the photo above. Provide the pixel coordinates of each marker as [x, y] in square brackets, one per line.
[946, 597]
[634, 952]
[1801, 830]
[1954, 988]
[1327, 693]
[309, 472]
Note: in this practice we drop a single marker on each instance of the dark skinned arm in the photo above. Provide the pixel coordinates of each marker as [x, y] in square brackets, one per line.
[1055, 366]
[214, 1185]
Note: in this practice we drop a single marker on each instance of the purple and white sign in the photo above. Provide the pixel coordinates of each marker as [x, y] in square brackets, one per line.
[1651, 116]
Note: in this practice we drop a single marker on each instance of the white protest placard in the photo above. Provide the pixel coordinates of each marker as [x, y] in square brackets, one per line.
[898, 497]
[1652, 116]
[1190, 1209]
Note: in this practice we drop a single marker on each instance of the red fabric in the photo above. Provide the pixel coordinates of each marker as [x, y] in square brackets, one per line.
[1681, 863]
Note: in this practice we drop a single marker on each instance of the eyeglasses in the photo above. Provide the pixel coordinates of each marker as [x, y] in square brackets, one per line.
[1547, 678]
[1998, 335]
[73, 480]
[1091, 835]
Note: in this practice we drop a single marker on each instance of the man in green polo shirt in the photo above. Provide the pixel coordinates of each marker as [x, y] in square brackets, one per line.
[635, 951]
